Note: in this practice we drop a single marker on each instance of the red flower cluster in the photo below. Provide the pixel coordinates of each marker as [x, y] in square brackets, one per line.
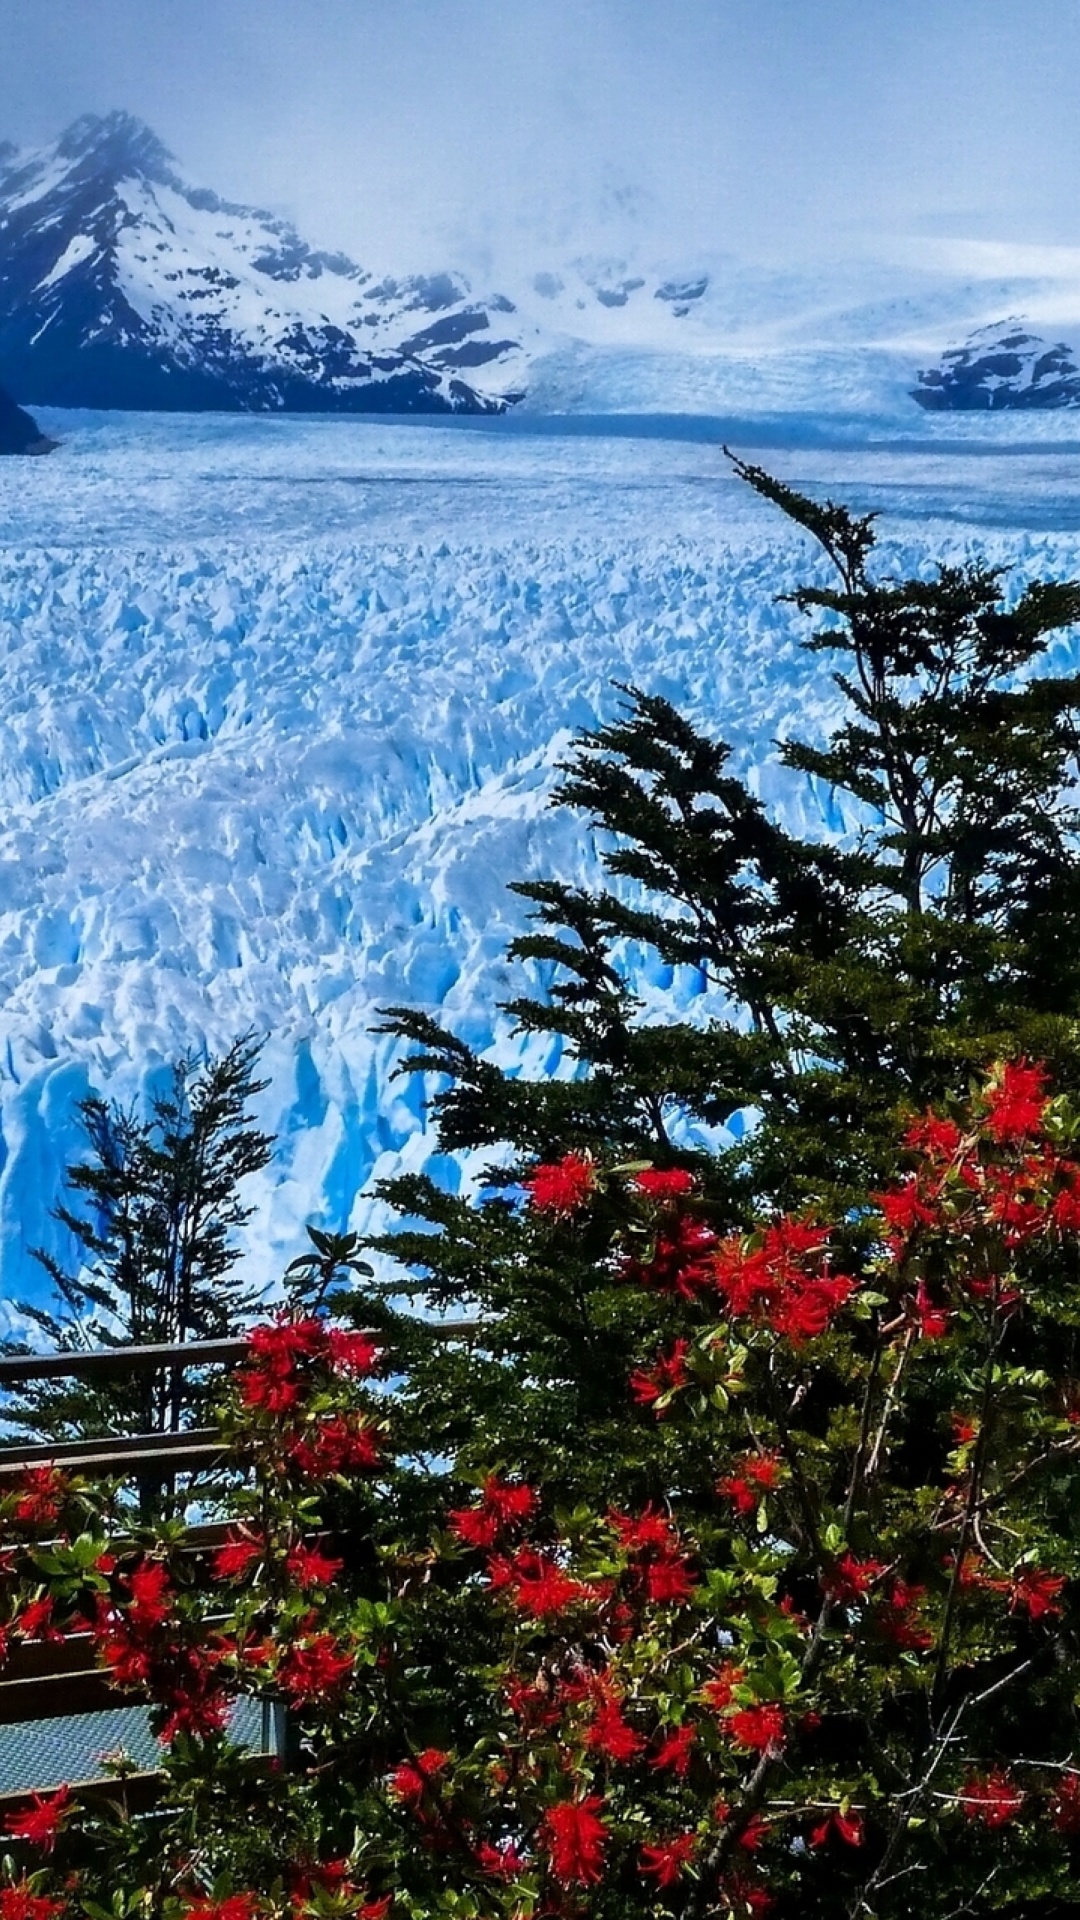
[852, 1579]
[40, 1822]
[755, 1474]
[20, 1902]
[1016, 1102]
[141, 1642]
[667, 1376]
[336, 1444]
[313, 1667]
[762, 1728]
[574, 1839]
[673, 1753]
[847, 1827]
[659, 1568]
[411, 1780]
[537, 1585]
[561, 1186]
[771, 1279]
[286, 1356]
[666, 1859]
[664, 1185]
[501, 1506]
[608, 1732]
[680, 1260]
[991, 1798]
[40, 1493]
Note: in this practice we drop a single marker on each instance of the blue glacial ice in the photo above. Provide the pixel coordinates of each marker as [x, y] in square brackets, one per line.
[281, 705]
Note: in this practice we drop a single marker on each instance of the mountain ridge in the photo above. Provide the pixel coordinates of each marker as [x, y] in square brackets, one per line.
[123, 286]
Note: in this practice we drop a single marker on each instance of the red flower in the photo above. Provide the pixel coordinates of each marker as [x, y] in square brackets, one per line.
[674, 1751]
[938, 1139]
[512, 1504]
[239, 1552]
[271, 1379]
[847, 1827]
[681, 1258]
[758, 1473]
[851, 1579]
[563, 1185]
[904, 1208]
[538, 1585]
[501, 1505]
[767, 1279]
[1036, 1592]
[991, 1799]
[933, 1322]
[410, 1781]
[150, 1589]
[717, 1693]
[198, 1705]
[39, 1823]
[40, 1495]
[20, 1903]
[664, 1184]
[896, 1617]
[645, 1531]
[669, 1581]
[310, 1568]
[353, 1353]
[665, 1859]
[667, 1376]
[334, 1445]
[501, 1863]
[313, 1668]
[574, 1839]
[275, 1393]
[1015, 1106]
[964, 1430]
[760, 1728]
[35, 1621]
[608, 1733]
[283, 1344]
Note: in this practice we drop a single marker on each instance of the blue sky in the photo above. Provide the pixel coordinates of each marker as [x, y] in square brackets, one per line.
[776, 128]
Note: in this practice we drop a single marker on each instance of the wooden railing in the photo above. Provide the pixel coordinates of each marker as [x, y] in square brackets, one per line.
[51, 1680]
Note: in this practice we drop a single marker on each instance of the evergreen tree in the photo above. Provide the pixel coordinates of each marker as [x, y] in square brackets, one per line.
[852, 982]
[160, 1204]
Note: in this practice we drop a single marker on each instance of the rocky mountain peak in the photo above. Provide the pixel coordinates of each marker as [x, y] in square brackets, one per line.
[118, 144]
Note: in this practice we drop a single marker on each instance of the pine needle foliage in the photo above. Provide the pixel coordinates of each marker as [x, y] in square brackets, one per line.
[153, 1215]
[854, 982]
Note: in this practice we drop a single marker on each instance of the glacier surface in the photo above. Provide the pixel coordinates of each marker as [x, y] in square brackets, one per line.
[281, 703]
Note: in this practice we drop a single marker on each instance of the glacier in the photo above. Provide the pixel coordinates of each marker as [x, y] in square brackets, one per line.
[281, 706]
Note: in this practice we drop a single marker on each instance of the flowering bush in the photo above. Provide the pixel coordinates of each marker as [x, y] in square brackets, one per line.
[818, 1657]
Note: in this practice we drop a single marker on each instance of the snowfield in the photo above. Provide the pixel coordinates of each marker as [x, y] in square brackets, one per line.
[280, 707]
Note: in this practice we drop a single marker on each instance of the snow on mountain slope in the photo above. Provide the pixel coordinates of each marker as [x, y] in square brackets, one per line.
[122, 285]
[280, 708]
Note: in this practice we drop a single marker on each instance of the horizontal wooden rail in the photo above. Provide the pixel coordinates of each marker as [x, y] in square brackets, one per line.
[15, 1367]
[129, 1359]
[190, 1446]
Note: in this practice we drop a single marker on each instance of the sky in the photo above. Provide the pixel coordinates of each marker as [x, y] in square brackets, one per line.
[420, 132]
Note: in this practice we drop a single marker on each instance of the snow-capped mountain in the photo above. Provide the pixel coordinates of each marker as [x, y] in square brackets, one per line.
[123, 286]
[1004, 365]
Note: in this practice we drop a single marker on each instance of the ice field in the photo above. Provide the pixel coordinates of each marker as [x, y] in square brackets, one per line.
[280, 707]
